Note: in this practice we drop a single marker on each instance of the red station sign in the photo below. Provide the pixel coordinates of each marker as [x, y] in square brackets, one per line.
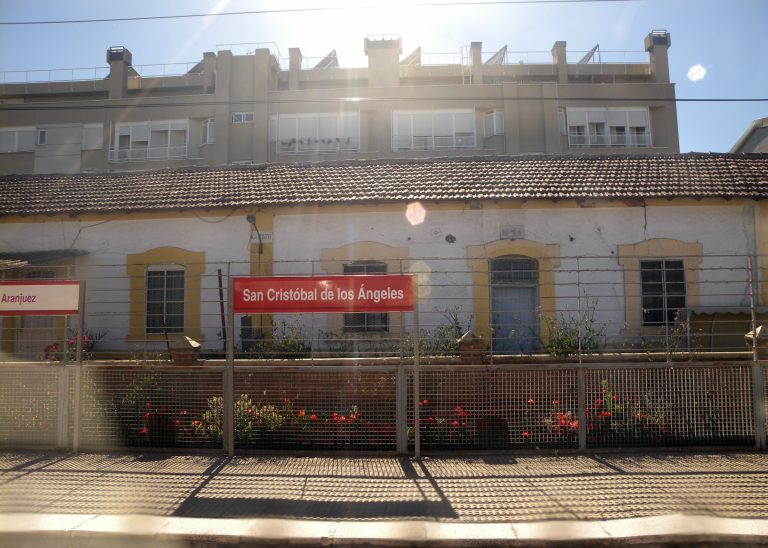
[364, 293]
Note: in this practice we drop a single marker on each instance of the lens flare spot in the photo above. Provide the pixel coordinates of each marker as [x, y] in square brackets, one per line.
[415, 213]
[423, 276]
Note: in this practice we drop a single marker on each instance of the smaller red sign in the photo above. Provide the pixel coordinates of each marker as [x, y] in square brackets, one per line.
[323, 294]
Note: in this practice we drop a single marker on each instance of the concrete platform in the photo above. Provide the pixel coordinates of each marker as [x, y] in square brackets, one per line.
[116, 500]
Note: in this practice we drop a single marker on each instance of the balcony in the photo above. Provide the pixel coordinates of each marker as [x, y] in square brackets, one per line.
[429, 142]
[598, 140]
[148, 153]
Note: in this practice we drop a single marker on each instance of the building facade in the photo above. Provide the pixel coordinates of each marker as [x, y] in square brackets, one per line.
[506, 246]
[259, 108]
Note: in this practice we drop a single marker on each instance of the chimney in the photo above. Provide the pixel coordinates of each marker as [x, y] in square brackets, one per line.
[560, 60]
[294, 67]
[656, 44]
[383, 61]
[119, 59]
[209, 72]
[476, 54]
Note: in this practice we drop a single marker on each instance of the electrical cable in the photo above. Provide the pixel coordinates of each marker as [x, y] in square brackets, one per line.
[303, 10]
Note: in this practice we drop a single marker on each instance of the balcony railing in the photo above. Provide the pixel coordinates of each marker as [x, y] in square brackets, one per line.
[300, 146]
[429, 142]
[148, 153]
[588, 140]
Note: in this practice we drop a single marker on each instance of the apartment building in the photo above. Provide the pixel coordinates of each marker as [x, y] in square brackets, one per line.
[257, 108]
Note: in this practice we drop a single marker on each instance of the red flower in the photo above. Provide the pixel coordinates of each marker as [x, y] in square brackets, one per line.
[604, 414]
[183, 412]
[149, 405]
[313, 417]
[526, 434]
[302, 413]
[178, 422]
[343, 418]
[147, 416]
[599, 402]
[430, 419]
[555, 402]
[531, 401]
[196, 422]
[143, 430]
[455, 423]
[575, 425]
[458, 408]
[249, 410]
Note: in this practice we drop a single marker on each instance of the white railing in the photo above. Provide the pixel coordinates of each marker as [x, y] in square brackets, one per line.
[53, 75]
[148, 153]
[428, 142]
[84, 74]
[293, 146]
[586, 140]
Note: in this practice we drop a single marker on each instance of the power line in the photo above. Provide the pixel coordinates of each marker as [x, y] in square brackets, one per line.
[352, 100]
[305, 10]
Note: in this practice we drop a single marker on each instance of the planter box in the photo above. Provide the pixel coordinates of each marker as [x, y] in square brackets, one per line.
[184, 356]
[472, 352]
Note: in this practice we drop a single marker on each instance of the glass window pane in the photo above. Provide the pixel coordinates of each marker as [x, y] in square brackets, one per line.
[443, 124]
[7, 141]
[465, 122]
[26, 140]
[422, 124]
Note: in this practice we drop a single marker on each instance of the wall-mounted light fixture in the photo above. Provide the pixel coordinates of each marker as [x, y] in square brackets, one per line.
[251, 218]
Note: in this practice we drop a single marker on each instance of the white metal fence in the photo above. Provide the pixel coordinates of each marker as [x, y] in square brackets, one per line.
[347, 408]
[578, 353]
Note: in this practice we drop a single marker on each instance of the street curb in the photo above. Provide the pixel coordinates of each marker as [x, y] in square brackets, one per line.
[44, 530]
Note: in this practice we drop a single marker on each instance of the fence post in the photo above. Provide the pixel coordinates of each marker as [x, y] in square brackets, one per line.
[62, 404]
[229, 372]
[401, 411]
[79, 370]
[416, 374]
[581, 399]
[401, 392]
[578, 304]
[758, 388]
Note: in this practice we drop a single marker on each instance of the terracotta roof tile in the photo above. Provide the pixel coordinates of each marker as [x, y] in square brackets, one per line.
[527, 177]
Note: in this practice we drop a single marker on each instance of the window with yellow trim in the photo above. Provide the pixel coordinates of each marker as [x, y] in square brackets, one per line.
[165, 295]
[165, 299]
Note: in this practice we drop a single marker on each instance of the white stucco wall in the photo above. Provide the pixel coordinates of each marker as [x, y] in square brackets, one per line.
[437, 247]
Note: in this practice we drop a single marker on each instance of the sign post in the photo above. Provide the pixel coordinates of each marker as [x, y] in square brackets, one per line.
[333, 294]
[52, 298]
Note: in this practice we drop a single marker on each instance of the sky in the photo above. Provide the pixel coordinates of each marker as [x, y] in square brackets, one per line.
[719, 48]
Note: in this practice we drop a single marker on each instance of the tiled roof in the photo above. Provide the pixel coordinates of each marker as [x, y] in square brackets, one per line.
[520, 178]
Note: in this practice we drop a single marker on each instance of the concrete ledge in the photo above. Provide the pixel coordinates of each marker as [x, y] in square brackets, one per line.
[118, 531]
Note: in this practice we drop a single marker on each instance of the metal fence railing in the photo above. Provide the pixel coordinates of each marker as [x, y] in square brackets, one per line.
[584, 308]
[575, 353]
[352, 408]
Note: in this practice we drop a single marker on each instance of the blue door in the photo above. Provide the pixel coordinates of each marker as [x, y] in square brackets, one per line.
[514, 305]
